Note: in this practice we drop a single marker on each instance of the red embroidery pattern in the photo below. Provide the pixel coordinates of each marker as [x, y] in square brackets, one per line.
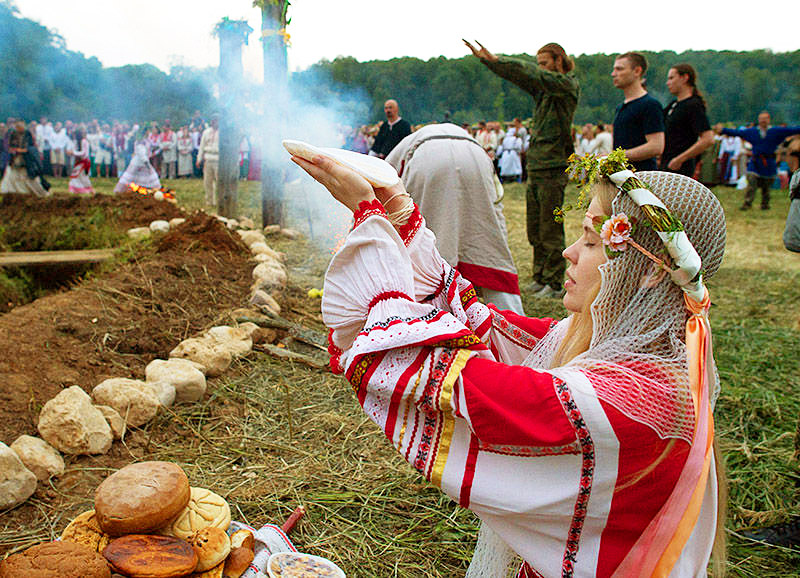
[467, 296]
[359, 370]
[336, 355]
[429, 405]
[367, 209]
[388, 295]
[526, 571]
[470, 341]
[587, 476]
[411, 227]
[512, 332]
[531, 451]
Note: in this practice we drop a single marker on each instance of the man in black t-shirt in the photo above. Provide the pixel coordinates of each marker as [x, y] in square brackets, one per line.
[688, 132]
[639, 120]
[391, 132]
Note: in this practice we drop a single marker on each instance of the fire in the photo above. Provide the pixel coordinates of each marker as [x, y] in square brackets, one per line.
[168, 194]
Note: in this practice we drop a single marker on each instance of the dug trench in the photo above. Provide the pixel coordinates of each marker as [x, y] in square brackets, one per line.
[136, 308]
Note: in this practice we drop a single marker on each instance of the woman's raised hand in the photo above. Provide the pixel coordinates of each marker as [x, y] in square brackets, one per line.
[346, 185]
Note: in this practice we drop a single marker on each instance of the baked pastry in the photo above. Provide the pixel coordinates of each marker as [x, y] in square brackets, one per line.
[237, 562]
[205, 509]
[212, 545]
[243, 538]
[85, 529]
[141, 498]
[150, 556]
[55, 560]
[215, 572]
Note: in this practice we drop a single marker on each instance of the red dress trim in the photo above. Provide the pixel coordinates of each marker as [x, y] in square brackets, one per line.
[411, 227]
[386, 295]
[336, 355]
[367, 209]
[490, 278]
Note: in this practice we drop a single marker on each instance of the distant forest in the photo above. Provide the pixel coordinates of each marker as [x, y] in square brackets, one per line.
[41, 77]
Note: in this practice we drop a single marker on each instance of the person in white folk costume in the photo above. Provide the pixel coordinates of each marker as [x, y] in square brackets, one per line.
[584, 445]
[139, 171]
[451, 178]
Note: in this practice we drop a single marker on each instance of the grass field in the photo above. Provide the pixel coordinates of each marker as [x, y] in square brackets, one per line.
[298, 436]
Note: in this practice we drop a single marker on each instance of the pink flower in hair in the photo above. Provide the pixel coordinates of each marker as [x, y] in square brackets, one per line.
[616, 232]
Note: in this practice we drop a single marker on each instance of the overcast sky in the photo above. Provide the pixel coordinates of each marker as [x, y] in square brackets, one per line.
[166, 32]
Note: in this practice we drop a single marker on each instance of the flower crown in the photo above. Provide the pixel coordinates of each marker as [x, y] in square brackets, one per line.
[616, 230]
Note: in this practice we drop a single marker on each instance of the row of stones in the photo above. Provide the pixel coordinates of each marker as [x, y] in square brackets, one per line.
[74, 423]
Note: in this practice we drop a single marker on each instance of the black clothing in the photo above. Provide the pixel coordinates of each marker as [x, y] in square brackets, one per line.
[684, 122]
[632, 121]
[390, 136]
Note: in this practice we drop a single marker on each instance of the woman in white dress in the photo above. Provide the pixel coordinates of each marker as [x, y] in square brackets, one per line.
[139, 170]
[509, 161]
[79, 182]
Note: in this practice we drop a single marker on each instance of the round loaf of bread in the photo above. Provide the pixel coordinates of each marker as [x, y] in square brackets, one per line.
[205, 509]
[55, 560]
[141, 498]
[212, 545]
[150, 556]
[86, 530]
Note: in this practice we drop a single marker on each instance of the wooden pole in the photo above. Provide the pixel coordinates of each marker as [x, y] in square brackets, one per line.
[273, 38]
[232, 34]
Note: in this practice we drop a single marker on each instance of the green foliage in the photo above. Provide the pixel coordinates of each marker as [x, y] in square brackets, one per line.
[735, 85]
[43, 78]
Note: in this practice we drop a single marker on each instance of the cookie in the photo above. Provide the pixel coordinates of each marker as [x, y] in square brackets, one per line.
[85, 529]
[150, 556]
[55, 560]
[141, 498]
[205, 509]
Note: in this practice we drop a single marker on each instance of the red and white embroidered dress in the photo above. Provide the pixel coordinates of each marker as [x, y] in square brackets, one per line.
[536, 454]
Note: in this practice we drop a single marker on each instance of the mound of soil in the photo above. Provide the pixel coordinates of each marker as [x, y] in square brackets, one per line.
[126, 210]
[116, 323]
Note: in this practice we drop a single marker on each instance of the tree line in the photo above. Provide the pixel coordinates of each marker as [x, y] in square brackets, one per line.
[41, 77]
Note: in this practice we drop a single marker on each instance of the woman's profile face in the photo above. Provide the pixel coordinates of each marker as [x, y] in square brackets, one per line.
[585, 257]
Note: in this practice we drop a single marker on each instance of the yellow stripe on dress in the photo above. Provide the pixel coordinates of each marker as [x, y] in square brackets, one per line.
[448, 421]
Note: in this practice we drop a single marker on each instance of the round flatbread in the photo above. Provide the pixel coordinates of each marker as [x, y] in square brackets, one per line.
[377, 171]
[85, 529]
[205, 509]
[55, 560]
[141, 498]
[151, 556]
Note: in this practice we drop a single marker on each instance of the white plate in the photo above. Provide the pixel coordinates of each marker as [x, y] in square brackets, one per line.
[377, 171]
[338, 572]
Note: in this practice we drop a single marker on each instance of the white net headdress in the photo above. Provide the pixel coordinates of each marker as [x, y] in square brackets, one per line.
[637, 356]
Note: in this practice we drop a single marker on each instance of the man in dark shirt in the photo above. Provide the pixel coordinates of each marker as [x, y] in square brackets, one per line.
[639, 120]
[555, 91]
[391, 132]
[687, 130]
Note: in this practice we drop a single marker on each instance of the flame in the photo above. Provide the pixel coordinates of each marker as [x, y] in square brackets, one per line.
[169, 194]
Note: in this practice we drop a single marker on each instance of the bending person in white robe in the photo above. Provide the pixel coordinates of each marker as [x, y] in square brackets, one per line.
[139, 170]
[451, 178]
[585, 445]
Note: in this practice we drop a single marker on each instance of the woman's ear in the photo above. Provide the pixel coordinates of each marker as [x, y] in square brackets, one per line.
[653, 277]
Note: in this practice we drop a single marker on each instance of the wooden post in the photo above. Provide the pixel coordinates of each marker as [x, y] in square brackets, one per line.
[232, 34]
[276, 77]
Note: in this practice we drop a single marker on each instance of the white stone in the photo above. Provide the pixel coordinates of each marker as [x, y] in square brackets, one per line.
[246, 223]
[71, 424]
[115, 421]
[271, 272]
[272, 229]
[134, 400]
[158, 196]
[290, 233]
[251, 237]
[205, 352]
[39, 457]
[233, 224]
[233, 339]
[17, 483]
[177, 221]
[264, 300]
[164, 390]
[159, 226]
[138, 233]
[188, 381]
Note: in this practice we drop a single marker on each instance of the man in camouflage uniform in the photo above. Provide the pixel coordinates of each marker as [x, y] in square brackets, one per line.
[555, 93]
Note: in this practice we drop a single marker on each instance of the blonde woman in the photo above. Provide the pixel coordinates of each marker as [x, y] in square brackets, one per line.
[584, 445]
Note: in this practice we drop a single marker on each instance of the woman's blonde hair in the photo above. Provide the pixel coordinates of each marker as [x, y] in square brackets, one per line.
[577, 340]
